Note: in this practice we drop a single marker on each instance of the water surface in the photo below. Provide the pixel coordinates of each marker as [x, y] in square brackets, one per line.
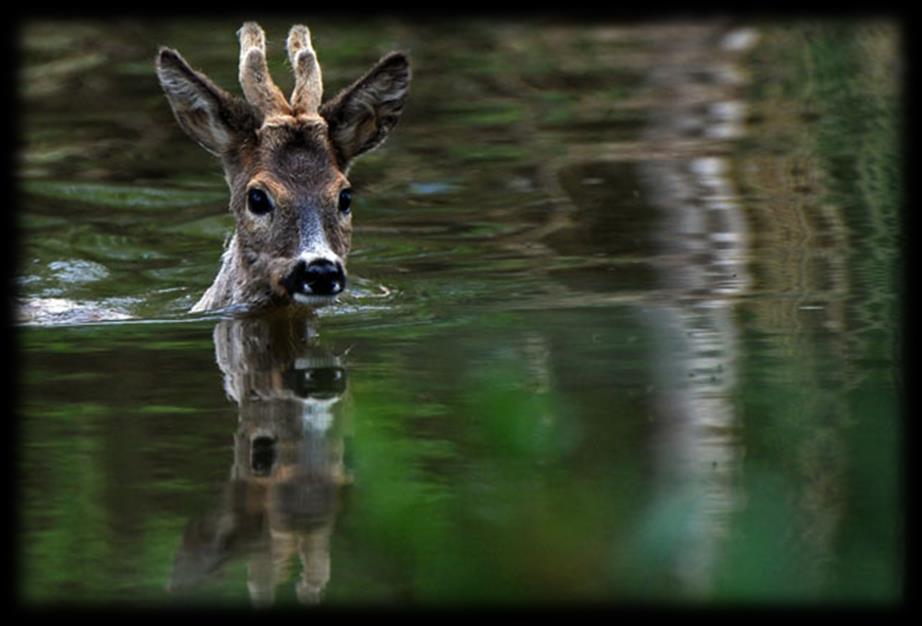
[623, 327]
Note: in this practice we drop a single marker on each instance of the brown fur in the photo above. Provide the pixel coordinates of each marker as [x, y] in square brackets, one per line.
[298, 153]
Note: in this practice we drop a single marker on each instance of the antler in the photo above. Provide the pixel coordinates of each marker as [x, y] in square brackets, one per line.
[257, 85]
[308, 90]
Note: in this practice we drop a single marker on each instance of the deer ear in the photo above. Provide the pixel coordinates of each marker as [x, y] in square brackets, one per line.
[206, 112]
[363, 114]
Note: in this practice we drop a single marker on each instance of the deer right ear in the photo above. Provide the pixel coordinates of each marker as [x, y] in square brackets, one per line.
[206, 112]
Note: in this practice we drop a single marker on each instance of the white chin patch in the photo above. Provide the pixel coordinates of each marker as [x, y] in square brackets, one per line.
[313, 301]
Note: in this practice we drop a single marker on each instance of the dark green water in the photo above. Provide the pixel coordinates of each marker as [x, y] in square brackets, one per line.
[624, 326]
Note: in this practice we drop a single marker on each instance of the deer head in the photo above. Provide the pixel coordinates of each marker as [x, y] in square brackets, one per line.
[286, 163]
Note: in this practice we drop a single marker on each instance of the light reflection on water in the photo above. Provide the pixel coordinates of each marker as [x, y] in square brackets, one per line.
[605, 339]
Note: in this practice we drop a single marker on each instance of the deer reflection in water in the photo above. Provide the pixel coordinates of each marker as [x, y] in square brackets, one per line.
[283, 495]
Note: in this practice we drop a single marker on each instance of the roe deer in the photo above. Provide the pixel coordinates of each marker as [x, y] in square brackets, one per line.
[286, 163]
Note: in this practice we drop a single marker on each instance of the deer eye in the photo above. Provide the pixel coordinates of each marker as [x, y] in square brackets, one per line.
[345, 201]
[258, 201]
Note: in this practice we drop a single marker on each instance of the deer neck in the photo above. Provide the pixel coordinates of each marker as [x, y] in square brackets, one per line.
[222, 291]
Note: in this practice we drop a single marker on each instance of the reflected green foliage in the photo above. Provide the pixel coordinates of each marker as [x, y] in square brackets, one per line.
[824, 428]
[120, 196]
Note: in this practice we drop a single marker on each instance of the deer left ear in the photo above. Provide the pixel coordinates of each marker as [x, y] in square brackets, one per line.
[206, 112]
[362, 115]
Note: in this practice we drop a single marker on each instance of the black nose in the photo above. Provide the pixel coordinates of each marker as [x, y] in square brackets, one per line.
[262, 455]
[317, 278]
